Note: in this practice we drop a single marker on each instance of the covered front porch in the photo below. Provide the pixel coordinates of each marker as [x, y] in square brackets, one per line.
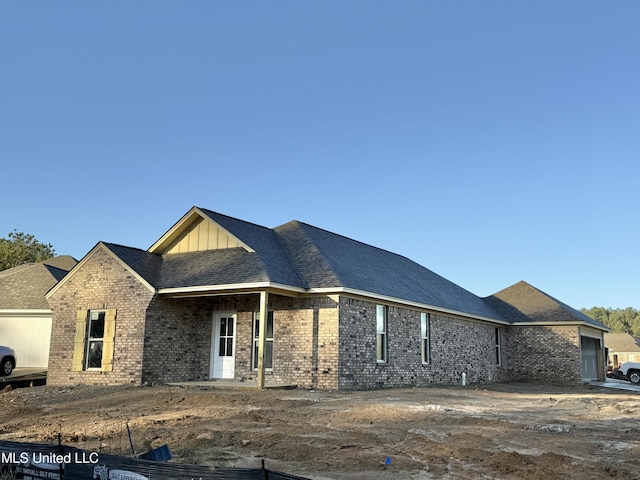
[219, 340]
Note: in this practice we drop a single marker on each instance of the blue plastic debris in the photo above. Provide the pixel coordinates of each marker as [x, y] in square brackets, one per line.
[387, 461]
[160, 454]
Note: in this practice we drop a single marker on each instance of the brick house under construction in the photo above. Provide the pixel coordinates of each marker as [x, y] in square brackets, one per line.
[338, 314]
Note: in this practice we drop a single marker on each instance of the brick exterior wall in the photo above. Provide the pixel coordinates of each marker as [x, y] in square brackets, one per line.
[319, 342]
[298, 359]
[101, 283]
[546, 354]
[458, 346]
[177, 340]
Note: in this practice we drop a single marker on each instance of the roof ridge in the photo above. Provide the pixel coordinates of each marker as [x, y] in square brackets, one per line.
[207, 211]
[355, 241]
[107, 244]
[17, 268]
[285, 249]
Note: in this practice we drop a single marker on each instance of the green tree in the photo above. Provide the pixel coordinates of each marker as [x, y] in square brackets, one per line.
[21, 248]
[619, 320]
[598, 313]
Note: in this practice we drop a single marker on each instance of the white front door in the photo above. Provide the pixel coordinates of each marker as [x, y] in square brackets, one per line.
[223, 345]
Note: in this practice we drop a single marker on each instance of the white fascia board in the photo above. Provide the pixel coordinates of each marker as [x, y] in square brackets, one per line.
[86, 258]
[18, 312]
[568, 323]
[186, 218]
[256, 286]
[385, 298]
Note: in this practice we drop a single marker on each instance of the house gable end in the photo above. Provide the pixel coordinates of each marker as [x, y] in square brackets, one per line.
[99, 247]
[197, 231]
[524, 303]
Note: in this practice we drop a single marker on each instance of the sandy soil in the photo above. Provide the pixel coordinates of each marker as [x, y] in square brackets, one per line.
[519, 431]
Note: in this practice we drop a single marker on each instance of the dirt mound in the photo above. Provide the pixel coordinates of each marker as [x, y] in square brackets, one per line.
[502, 431]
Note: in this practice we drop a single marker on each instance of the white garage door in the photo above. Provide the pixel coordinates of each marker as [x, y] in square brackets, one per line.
[29, 336]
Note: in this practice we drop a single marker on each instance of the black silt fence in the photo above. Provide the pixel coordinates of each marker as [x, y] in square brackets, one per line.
[34, 461]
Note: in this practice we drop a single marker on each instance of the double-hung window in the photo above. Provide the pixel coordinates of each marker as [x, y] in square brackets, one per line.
[93, 345]
[381, 333]
[425, 337]
[95, 339]
[498, 347]
[268, 351]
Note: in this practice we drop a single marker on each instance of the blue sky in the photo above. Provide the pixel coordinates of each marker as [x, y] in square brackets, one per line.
[491, 142]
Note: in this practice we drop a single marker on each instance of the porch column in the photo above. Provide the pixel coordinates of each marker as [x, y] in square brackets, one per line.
[262, 337]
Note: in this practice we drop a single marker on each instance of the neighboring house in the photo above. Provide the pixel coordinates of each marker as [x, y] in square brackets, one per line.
[217, 297]
[622, 347]
[25, 316]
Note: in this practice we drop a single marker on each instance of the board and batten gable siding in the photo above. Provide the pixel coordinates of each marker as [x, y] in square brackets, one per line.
[458, 345]
[100, 283]
[203, 235]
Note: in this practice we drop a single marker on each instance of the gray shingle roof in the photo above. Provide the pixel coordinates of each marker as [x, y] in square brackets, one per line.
[299, 255]
[621, 342]
[325, 259]
[63, 262]
[522, 302]
[275, 262]
[24, 287]
[206, 268]
[213, 267]
[145, 264]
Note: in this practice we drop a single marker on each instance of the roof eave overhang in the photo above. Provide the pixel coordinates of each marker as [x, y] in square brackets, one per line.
[25, 312]
[401, 301]
[568, 323]
[278, 288]
[231, 289]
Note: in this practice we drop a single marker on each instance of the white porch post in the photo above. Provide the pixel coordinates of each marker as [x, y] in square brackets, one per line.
[262, 335]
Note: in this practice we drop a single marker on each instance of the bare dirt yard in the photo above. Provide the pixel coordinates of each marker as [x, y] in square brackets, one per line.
[515, 431]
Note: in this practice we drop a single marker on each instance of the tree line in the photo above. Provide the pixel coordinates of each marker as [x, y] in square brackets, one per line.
[19, 248]
[619, 320]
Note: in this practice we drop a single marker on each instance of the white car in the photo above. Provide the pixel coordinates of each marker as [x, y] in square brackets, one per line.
[631, 370]
[7, 361]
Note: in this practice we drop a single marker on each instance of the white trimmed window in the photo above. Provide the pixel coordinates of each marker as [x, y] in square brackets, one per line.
[268, 351]
[94, 340]
[498, 347]
[425, 337]
[381, 333]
